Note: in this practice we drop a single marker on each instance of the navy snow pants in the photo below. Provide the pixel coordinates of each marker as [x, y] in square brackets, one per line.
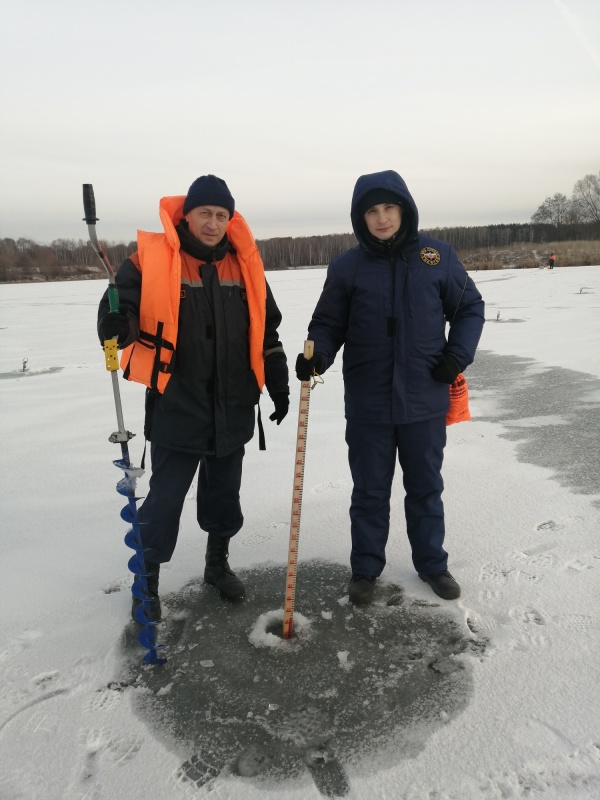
[372, 452]
[218, 498]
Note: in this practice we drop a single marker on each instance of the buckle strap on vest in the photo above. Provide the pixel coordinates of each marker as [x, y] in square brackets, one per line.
[156, 342]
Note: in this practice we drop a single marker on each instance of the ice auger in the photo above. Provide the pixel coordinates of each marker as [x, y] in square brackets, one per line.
[127, 485]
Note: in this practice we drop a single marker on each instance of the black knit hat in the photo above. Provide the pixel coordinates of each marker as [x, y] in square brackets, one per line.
[374, 197]
[208, 190]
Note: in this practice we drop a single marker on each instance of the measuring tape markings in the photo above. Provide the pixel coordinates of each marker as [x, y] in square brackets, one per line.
[288, 615]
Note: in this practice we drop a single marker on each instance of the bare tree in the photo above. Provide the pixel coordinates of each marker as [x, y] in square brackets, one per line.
[586, 198]
[553, 211]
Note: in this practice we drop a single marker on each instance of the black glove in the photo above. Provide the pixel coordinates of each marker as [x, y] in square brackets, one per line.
[307, 367]
[116, 324]
[281, 401]
[446, 369]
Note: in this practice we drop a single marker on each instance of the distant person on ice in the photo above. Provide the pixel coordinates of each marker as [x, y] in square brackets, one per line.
[199, 325]
[551, 260]
[387, 302]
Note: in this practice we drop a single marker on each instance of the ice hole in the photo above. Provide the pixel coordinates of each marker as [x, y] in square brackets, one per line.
[267, 631]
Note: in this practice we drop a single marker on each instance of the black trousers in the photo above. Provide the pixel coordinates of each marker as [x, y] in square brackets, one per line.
[217, 501]
[372, 454]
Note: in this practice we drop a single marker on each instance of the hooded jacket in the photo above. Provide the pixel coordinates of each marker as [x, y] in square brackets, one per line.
[387, 304]
[212, 321]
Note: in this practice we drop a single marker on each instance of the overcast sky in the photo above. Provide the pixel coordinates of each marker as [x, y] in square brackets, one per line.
[485, 108]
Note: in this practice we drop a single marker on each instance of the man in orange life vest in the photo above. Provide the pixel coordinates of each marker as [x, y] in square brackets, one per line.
[198, 325]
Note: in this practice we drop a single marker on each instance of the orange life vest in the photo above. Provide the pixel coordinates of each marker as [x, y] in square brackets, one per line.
[459, 401]
[149, 359]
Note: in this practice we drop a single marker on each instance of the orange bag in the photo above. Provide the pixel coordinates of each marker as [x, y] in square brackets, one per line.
[459, 401]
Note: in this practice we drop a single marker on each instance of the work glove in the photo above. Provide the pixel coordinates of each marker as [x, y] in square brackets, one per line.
[447, 368]
[116, 324]
[281, 400]
[307, 367]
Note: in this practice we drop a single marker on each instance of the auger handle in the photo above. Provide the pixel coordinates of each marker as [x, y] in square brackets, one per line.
[89, 204]
[110, 345]
[89, 209]
[113, 297]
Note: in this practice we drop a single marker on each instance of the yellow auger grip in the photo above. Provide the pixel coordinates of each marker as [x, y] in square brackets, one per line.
[110, 354]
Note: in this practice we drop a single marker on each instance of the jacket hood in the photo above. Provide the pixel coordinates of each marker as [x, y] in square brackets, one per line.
[391, 182]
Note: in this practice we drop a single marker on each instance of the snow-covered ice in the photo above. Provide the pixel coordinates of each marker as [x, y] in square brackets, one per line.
[520, 717]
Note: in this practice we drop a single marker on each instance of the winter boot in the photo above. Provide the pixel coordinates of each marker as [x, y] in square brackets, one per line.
[443, 584]
[361, 589]
[154, 611]
[218, 572]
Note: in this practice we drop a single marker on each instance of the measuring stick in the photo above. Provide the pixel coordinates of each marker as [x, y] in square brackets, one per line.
[292, 568]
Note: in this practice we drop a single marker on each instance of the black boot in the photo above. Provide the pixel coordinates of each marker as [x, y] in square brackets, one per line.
[217, 571]
[443, 584]
[155, 611]
[361, 589]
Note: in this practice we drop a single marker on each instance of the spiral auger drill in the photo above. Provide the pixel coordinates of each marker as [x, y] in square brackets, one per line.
[127, 484]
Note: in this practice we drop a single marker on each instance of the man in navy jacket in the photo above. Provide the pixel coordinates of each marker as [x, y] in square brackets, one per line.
[387, 302]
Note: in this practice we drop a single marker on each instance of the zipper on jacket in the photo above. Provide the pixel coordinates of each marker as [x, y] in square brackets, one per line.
[409, 291]
[392, 321]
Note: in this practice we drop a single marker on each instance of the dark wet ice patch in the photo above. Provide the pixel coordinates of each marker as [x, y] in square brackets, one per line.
[29, 373]
[553, 415]
[353, 689]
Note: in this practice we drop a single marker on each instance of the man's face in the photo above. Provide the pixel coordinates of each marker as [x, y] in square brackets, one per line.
[384, 220]
[208, 223]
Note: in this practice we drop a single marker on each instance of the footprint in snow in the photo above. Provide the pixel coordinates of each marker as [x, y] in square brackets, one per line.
[548, 525]
[574, 622]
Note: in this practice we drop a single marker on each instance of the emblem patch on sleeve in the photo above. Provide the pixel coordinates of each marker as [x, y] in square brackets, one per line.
[430, 256]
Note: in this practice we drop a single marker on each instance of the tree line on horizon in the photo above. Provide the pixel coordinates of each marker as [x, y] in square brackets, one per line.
[557, 219]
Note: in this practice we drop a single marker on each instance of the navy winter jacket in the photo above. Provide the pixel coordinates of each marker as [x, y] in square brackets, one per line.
[388, 306]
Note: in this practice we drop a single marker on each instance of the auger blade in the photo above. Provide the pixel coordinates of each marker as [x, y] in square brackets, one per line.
[126, 487]
[151, 657]
[137, 591]
[144, 618]
[136, 564]
[128, 514]
[132, 472]
[132, 539]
